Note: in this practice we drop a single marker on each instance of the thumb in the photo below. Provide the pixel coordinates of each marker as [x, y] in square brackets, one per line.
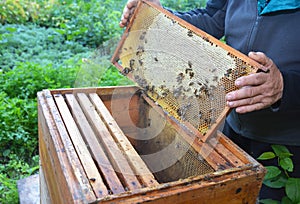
[262, 59]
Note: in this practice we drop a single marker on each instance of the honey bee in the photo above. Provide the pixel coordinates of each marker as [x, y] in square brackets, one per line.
[192, 74]
[187, 90]
[142, 37]
[141, 62]
[206, 39]
[244, 67]
[162, 86]
[212, 87]
[215, 78]
[187, 70]
[200, 115]
[190, 64]
[213, 70]
[179, 78]
[126, 71]
[196, 93]
[236, 73]
[213, 120]
[131, 63]
[140, 50]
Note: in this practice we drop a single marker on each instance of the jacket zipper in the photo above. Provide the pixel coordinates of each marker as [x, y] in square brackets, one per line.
[254, 31]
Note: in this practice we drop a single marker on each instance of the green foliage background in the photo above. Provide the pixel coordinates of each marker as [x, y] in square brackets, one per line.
[50, 44]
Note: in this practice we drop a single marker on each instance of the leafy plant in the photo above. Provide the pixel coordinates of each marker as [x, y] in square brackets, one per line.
[34, 44]
[26, 79]
[97, 23]
[183, 5]
[278, 176]
[12, 11]
[10, 173]
[89, 23]
[18, 113]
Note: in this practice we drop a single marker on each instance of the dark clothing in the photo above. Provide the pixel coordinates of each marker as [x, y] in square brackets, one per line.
[275, 34]
[255, 149]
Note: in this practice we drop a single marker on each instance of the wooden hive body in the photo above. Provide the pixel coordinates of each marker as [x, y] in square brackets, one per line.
[157, 143]
[115, 145]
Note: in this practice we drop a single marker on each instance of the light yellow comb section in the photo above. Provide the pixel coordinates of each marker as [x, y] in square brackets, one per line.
[185, 70]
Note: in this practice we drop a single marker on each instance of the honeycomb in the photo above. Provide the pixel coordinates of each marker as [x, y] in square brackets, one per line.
[183, 69]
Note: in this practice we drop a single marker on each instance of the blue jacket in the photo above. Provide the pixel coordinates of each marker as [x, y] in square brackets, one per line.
[277, 35]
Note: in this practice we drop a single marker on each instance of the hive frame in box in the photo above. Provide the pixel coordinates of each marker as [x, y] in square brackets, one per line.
[70, 171]
[191, 87]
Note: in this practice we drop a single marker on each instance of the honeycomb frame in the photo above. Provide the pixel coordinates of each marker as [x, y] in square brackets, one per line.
[182, 68]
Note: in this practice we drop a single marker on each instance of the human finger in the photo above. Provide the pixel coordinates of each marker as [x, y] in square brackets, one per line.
[127, 12]
[243, 93]
[250, 108]
[251, 80]
[262, 59]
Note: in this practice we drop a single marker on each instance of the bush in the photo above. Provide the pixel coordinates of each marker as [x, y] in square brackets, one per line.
[18, 126]
[12, 171]
[183, 5]
[97, 23]
[278, 176]
[18, 113]
[26, 79]
[34, 44]
[87, 22]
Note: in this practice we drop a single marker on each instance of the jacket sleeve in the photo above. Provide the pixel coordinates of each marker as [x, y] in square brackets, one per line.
[291, 99]
[210, 19]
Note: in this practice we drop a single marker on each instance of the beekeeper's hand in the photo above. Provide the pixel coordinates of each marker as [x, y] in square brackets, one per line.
[129, 9]
[259, 90]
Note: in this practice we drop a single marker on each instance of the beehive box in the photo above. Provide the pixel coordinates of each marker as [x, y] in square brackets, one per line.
[115, 145]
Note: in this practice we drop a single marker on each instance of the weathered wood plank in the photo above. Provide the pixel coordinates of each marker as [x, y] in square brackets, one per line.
[70, 150]
[98, 154]
[49, 174]
[83, 153]
[223, 189]
[113, 152]
[44, 192]
[228, 155]
[237, 151]
[123, 91]
[54, 159]
[132, 156]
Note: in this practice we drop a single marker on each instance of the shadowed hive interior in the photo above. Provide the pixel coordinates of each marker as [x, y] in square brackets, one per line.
[183, 69]
[163, 148]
